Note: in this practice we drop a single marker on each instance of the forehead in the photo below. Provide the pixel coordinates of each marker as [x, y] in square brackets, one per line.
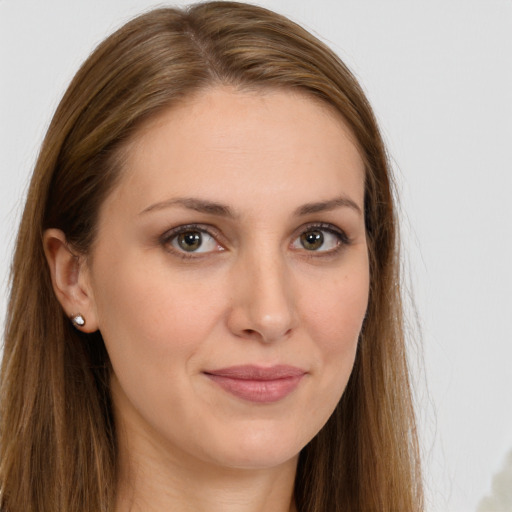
[258, 142]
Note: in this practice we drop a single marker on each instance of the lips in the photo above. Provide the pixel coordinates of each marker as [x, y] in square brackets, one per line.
[258, 384]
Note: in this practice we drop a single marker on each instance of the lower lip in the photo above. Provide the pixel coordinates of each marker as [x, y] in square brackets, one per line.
[259, 391]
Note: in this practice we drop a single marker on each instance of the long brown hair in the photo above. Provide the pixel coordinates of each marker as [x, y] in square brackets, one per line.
[58, 442]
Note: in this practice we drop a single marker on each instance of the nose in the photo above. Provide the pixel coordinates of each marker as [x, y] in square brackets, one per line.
[263, 299]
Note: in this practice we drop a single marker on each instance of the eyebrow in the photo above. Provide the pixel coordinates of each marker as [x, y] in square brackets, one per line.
[191, 203]
[331, 204]
[221, 210]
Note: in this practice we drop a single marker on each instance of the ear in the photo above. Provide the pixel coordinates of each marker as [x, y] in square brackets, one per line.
[70, 279]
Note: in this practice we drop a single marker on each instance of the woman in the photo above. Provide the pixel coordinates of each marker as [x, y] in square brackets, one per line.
[205, 306]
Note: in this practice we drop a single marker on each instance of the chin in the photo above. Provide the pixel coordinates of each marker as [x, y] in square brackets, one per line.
[259, 447]
[258, 460]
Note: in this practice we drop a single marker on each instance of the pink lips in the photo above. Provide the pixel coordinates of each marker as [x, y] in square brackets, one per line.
[256, 383]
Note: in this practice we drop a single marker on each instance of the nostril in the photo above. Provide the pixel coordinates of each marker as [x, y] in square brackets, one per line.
[263, 335]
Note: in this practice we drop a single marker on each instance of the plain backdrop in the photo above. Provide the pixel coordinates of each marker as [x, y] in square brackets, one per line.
[439, 76]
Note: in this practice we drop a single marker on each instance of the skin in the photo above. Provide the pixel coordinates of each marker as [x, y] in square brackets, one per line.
[253, 293]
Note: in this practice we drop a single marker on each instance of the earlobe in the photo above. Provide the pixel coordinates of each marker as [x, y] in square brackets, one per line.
[70, 285]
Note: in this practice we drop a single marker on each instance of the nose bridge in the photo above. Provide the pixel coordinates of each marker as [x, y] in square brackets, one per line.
[264, 299]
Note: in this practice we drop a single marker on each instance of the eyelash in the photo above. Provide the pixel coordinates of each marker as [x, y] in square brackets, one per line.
[167, 238]
[170, 235]
[342, 239]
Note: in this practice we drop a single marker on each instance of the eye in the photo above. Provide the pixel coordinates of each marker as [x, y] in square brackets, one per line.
[189, 239]
[320, 239]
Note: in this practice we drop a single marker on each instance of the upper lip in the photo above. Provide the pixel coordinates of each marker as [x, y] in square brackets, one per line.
[253, 372]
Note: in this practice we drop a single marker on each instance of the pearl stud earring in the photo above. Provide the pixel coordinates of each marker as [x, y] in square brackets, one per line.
[78, 320]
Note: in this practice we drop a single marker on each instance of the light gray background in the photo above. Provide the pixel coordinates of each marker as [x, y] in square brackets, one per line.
[438, 73]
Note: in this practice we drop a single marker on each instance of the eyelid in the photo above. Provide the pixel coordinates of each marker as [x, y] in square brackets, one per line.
[172, 233]
[217, 235]
[342, 236]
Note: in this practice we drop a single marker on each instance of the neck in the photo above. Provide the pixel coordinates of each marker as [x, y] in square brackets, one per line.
[153, 479]
[155, 488]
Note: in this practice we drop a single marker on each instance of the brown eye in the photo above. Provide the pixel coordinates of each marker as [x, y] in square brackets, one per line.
[323, 239]
[312, 240]
[189, 241]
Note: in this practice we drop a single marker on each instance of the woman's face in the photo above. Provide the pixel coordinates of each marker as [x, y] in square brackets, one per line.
[229, 278]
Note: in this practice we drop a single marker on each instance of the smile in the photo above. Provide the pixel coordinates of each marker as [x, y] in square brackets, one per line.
[257, 384]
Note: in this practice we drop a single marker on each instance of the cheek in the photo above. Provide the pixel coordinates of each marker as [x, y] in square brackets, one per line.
[335, 315]
[151, 316]
[334, 320]
[155, 325]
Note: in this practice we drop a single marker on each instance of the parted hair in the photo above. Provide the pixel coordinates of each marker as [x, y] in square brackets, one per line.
[57, 433]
